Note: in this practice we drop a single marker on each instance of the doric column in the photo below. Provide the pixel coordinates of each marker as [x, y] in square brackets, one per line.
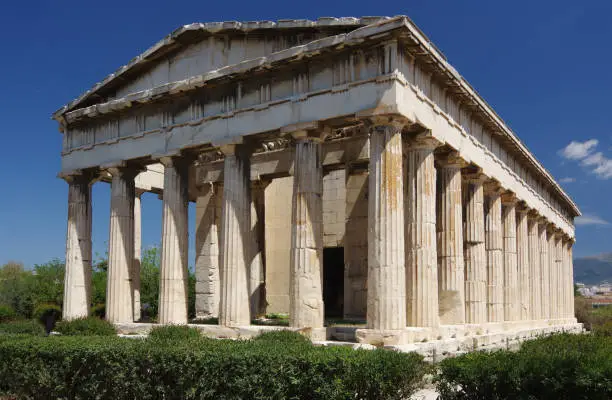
[386, 270]
[208, 210]
[535, 284]
[119, 286]
[522, 255]
[552, 273]
[421, 249]
[558, 268]
[258, 249]
[449, 228]
[544, 269]
[570, 266]
[565, 279]
[494, 243]
[173, 268]
[235, 244]
[306, 292]
[511, 299]
[137, 253]
[356, 244]
[474, 248]
[77, 279]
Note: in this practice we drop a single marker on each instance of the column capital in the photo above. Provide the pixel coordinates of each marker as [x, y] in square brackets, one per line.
[450, 159]
[534, 215]
[173, 160]
[123, 171]
[492, 187]
[383, 117]
[79, 175]
[472, 174]
[314, 131]
[521, 207]
[509, 198]
[421, 141]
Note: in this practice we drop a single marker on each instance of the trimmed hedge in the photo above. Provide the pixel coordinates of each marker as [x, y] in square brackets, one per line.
[173, 332]
[119, 368]
[556, 367]
[22, 327]
[91, 326]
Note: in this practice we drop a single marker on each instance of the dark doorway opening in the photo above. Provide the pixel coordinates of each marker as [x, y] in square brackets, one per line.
[333, 281]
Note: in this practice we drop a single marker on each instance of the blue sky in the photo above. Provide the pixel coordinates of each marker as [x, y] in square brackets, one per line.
[544, 67]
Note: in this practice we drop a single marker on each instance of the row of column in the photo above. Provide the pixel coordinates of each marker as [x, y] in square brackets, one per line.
[445, 245]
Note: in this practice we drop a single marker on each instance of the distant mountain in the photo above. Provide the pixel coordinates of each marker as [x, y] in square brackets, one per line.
[593, 270]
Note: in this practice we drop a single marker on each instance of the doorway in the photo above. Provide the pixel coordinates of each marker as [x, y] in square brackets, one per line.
[333, 281]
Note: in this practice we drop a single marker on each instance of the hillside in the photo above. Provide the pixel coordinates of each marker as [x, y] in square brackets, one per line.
[593, 270]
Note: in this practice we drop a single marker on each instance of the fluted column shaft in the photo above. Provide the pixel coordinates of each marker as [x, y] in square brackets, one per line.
[386, 271]
[421, 249]
[207, 269]
[119, 285]
[137, 254]
[474, 249]
[235, 246]
[552, 267]
[522, 253]
[77, 279]
[173, 266]
[511, 299]
[570, 261]
[258, 249]
[494, 242]
[535, 284]
[306, 292]
[451, 267]
[559, 285]
[544, 269]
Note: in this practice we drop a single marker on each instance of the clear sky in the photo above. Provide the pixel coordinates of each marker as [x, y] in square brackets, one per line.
[543, 65]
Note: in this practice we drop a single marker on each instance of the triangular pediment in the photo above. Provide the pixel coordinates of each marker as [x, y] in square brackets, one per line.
[199, 48]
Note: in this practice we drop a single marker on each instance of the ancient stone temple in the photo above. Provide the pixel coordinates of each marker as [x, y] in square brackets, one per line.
[339, 167]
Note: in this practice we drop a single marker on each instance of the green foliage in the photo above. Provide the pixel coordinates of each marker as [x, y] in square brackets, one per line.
[173, 332]
[47, 310]
[199, 368]
[23, 327]
[557, 367]
[6, 313]
[604, 329]
[149, 282]
[282, 337]
[91, 326]
[99, 310]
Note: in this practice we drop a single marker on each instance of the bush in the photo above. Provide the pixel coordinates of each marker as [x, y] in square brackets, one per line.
[99, 310]
[282, 337]
[47, 310]
[604, 329]
[25, 327]
[90, 326]
[557, 367]
[199, 368]
[6, 313]
[173, 332]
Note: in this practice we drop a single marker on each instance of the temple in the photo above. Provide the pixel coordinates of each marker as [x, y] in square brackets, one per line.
[341, 168]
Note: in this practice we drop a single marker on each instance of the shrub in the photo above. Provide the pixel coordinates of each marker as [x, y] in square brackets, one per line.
[604, 329]
[557, 367]
[117, 368]
[91, 326]
[173, 332]
[24, 327]
[99, 310]
[47, 310]
[6, 313]
[282, 336]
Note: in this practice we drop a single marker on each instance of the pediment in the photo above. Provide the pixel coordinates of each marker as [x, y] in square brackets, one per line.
[199, 48]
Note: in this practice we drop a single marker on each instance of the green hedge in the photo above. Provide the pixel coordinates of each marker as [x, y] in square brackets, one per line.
[557, 367]
[22, 327]
[91, 326]
[120, 368]
[6, 313]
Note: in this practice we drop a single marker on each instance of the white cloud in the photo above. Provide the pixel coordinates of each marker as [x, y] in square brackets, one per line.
[600, 164]
[579, 150]
[590, 219]
[567, 180]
